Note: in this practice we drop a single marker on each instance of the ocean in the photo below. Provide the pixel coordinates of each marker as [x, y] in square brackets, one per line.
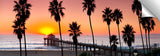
[36, 42]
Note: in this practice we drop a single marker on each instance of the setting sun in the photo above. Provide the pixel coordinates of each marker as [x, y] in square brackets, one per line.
[47, 30]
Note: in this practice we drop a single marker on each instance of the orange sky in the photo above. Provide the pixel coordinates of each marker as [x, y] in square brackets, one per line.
[40, 17]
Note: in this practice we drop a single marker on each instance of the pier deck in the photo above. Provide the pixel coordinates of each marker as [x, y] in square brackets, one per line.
[84, 46]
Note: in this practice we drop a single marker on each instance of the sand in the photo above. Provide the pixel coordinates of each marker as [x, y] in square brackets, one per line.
[51, 53]
[37, 53]
[40, 53]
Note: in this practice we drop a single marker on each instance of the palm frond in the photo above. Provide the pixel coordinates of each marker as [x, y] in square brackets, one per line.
[60, 4]
[117, 16]
[89, 5]
[27, 13]
[136, 7]
[71, 34]
[56, 10]
[74, 29]
[128, 35]
[28, 6]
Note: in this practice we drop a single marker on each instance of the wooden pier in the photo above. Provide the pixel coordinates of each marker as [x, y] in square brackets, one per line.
[82, 46]
[51, 42]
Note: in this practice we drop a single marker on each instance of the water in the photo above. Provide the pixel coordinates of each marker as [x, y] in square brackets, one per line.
[36, 42]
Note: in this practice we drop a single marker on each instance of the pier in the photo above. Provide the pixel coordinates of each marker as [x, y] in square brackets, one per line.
[84, 47]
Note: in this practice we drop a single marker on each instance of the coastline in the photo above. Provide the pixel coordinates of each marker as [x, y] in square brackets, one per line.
[52, 53]
[38, 53]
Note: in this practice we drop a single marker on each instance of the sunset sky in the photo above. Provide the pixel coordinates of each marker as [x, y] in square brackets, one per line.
[40, 20]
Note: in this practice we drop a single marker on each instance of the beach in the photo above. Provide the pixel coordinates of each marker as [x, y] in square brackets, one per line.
[37, 53]
[43, 53]
[53, 53]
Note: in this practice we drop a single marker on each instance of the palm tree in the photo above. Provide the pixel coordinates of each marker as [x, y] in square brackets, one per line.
[22, 8]
[148, 24]
[75, 32]
[18, 30]
[89, 5]
[136, 7]
[113, 40]
[143, 21]
[150, 27]
[107, 17]
[128, 36]
[56, 10]
[117, 16]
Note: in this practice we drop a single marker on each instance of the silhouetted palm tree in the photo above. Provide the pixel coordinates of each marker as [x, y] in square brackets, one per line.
[75, 32]
[150, 27]
[136, 7]
[56, 10]
[89, 5]
[22, 8]
[18, 30]
[128, 36]
[148, 24]
[107, 17]
[113, 40]
[117, 17]
[143, 21]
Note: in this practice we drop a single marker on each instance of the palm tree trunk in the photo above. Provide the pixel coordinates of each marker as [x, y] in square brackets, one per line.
[109, 38]
[146, 40]
[25, 41]
[115, 53]
[92, 34]
[76, 49]
[60, 37]
[141, 35]
[149, 41]
[20, 47]
[119, 40]
[129, 51]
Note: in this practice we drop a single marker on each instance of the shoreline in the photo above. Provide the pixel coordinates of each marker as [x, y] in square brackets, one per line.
[52, 53]
[38, 53]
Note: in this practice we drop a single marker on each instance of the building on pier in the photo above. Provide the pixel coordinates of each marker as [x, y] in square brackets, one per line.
[51, 40]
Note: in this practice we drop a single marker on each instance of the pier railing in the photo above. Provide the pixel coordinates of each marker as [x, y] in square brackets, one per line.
[85, 47]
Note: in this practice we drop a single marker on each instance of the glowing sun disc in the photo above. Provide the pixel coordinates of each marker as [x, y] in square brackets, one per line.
[46, 30]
